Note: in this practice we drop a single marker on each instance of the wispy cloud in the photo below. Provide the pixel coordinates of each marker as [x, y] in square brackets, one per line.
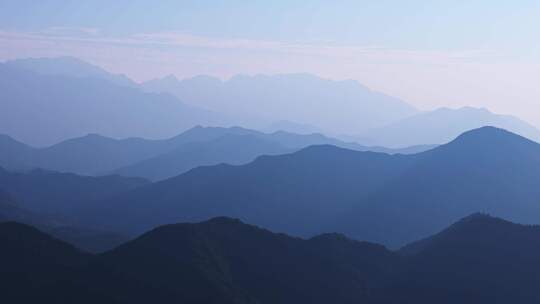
[63, 36]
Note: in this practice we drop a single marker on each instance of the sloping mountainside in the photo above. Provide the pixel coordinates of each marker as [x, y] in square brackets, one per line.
[37, 268]
[218, 261]
[158, 159]
[299, 193]
[62, 193]
[236, 150]
[390, 199]
[478, 260]
[95, 154]
[90, 240]
[64, 107]
[484, 170]
[13, 154]
[10, 211]
[442, 125]
[230, 149]
[301, 98]
[68, 66]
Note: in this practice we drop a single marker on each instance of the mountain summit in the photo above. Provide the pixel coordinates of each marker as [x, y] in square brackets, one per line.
[390, 199]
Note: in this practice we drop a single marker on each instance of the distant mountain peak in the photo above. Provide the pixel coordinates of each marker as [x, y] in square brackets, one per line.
[445, 124]
[171, 77]
[223, 220]
[69, 67]
[489, 134]
[475, 217]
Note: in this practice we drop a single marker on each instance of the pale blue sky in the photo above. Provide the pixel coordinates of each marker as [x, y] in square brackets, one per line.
[431, 53]
[450, 24]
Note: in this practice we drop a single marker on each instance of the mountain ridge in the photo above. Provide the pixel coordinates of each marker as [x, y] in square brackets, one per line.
[224, 260]
[372, 196]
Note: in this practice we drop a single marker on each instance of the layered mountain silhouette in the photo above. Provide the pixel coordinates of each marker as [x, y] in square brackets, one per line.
[61, 193]
[292, 127]
[230, 149]
[479, 259]
[70, 67]
[487, 170]
[10, 211]
[50, 199]
[66, 98]
[159, 159]
[299, 98]
[442, 125]
[296, 193]
[390, 199]
[64, 106]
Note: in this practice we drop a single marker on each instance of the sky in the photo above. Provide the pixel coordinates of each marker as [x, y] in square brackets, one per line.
[429, 53]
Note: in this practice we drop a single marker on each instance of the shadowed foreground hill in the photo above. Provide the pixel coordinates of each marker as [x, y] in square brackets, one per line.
[37, 268]
[92, 240]
[391, 199]
[49, 199]
[478, 260]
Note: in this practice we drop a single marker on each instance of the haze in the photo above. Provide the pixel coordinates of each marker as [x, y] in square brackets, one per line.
[429, 53]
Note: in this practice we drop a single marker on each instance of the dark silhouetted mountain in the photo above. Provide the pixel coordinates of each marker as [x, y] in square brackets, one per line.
[478, 260]
[218, 261]
[10, 211]
[88, 240]
[442, 125]
[37, 268]
[59, 226]
[69, 66]
[157, 159]
[64, 107]
[301, 98]
[389, 199]
[224, 258]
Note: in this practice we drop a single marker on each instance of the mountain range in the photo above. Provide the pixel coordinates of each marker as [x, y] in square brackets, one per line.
[442, 125]
[300, 98]
[94, 154]
[479, 259]
[61, 227]
[65, 106]
[389, 199]
[69, 67]
[68, 98]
